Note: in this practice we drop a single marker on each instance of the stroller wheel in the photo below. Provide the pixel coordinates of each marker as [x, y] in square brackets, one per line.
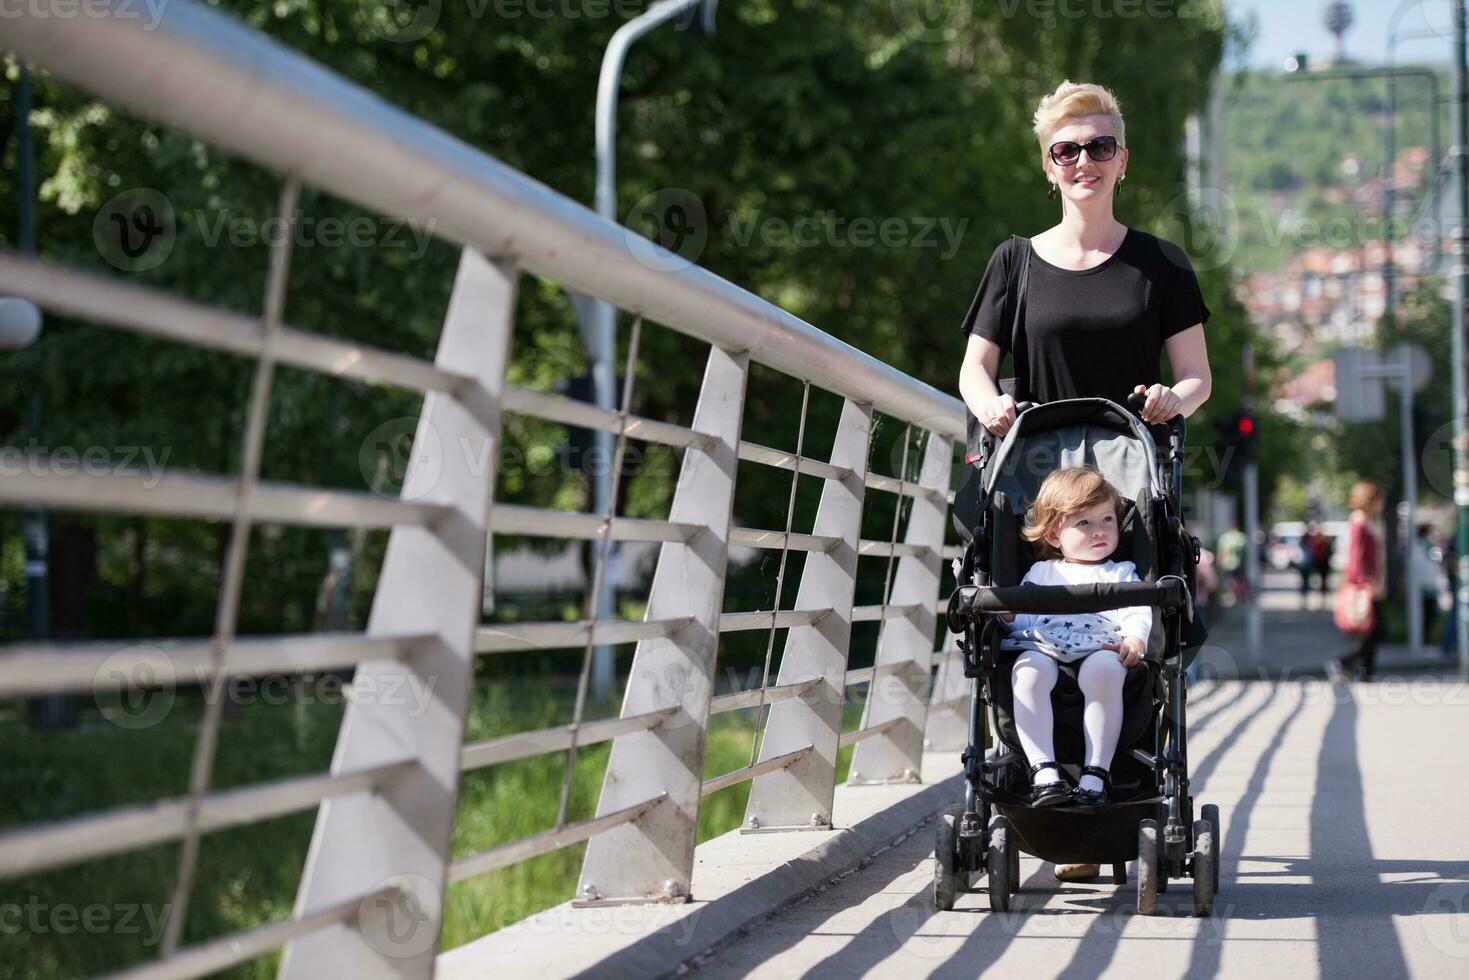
[998, 863]
[1119, 872]
[1014, 869]
[1211, 817]
[1205, 868]
[948, 868]
[1147, 867]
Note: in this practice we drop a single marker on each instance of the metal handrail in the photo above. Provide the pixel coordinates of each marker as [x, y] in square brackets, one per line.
[234, 87]
[228, 85]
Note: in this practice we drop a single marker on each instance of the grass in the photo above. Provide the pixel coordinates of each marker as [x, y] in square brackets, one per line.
[108, 913]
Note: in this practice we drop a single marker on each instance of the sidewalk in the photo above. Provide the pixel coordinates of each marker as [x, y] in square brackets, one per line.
[1297, 642]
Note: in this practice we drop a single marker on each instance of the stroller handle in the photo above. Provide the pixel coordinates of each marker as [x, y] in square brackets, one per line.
[1137, 400]
[968, 601]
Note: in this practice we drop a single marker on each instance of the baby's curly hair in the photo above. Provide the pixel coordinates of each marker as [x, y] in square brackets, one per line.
[1062, 494]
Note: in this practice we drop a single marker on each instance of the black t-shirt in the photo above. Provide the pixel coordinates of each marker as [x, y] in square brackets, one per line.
[1097, 332]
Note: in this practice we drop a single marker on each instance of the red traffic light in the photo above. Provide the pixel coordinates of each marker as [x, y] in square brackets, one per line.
[1245, 426]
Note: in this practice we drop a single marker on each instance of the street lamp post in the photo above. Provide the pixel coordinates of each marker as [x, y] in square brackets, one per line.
[602, 344]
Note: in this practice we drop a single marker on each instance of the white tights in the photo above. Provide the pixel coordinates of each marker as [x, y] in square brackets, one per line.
[1101, 676]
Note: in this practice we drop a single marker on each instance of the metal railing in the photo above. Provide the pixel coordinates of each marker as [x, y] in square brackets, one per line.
[385, 810]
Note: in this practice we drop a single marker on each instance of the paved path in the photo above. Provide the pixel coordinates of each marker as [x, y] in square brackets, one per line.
[1343, 856]
[1297, 640]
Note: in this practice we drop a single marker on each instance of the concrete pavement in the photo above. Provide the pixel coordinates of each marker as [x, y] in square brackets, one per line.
[1298, 639]
[1344, 855]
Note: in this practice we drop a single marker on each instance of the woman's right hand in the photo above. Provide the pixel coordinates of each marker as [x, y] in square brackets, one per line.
[997, 415]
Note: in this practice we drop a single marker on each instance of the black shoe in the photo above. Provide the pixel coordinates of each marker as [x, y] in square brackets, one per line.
[1092, 797]
[1048, 794]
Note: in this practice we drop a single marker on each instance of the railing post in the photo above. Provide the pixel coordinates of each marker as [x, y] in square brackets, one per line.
[652, 857]
[900, 687]
[799, 797]
[430, 584]
[948, 712]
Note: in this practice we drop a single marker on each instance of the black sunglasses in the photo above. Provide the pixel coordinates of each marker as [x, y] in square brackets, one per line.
[1100, 148]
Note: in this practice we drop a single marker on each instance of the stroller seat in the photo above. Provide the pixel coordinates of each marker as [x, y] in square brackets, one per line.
[1142, 698]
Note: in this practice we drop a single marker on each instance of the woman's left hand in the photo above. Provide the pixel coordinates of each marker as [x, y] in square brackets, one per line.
[1163, 403]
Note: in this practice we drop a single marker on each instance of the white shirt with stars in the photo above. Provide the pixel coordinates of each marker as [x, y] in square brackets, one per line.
[1071, 636]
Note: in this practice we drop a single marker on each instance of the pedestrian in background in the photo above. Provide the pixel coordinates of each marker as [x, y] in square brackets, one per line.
[1231, 552]
[1316, 550]
[1425, 558]
[1451, 573]
[1366, 568]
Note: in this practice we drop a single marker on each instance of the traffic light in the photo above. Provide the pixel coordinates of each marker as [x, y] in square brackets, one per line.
[1238, 438]
[1245, 433]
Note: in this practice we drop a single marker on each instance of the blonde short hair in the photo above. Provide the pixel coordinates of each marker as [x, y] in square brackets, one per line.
[1072, 100]
[1364, 494]
[1063, 493]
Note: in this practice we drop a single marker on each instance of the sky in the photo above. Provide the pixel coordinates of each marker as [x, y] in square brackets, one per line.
[1288, 26]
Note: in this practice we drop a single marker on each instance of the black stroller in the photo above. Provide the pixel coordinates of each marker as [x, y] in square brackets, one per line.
[1150, 814]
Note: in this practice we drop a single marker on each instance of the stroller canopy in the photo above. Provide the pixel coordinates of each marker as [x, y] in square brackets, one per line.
[1073, 432]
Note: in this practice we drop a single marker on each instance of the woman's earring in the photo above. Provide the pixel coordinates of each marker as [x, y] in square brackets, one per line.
[1052, 193]
[1120, 179]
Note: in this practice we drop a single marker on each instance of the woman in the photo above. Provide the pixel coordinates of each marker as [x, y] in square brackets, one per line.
[1365, 566]
[1103, 300]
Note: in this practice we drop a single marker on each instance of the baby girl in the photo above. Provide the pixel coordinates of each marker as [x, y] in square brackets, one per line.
[1074, 524]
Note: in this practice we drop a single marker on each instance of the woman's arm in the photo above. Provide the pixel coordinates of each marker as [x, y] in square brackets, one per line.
[1189, 361]
[977, 384]
[1188, 357]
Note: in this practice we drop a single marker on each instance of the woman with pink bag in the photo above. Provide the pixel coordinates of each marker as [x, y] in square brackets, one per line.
[1359, 599]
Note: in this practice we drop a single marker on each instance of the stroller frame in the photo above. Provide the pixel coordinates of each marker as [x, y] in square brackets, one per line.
[1156, 824]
